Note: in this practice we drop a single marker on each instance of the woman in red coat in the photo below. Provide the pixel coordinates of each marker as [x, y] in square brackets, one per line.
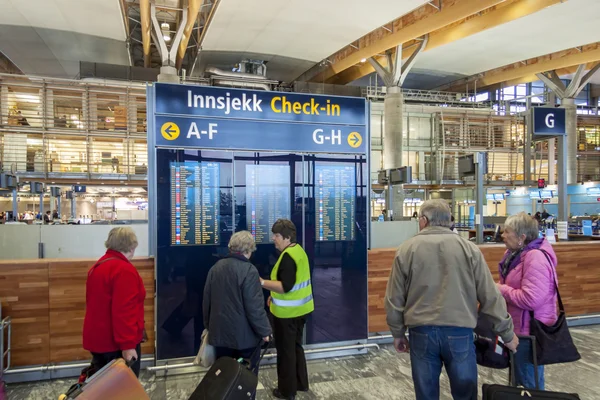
[114, 312]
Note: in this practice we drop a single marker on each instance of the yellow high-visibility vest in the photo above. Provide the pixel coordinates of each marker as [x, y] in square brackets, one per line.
[298, 301]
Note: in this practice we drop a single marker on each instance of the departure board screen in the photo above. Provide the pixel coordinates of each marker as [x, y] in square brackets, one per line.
[335, 202]
[195, 203]
[267, 198]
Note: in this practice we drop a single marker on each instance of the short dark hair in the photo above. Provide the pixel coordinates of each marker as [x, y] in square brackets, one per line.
[285, 228]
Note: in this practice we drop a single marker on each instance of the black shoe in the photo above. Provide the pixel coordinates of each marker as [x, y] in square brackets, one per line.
[278, 394]
[303, 390]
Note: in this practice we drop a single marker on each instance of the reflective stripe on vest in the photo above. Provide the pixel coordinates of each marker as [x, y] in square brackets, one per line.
[299, 286]
[291, 303]
[299, 300]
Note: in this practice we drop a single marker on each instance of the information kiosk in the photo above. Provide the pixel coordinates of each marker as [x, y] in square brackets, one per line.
[224, 160]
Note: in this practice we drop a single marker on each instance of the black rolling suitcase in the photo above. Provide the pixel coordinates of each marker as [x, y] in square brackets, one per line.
[229, 379]
[511, 392]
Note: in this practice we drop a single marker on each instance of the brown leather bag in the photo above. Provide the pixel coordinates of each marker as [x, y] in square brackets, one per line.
[115, 381]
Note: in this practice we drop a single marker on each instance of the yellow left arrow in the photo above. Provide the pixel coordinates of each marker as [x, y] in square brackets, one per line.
[169, 131]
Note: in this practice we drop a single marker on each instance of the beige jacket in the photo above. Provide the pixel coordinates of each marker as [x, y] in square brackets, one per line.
[439, 278]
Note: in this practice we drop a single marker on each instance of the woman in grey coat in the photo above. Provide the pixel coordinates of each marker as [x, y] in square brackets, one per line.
[233, 304]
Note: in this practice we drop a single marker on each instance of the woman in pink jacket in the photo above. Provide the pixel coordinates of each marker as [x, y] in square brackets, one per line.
[527, 276]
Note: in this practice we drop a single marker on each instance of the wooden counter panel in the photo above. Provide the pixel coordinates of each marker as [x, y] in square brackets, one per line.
[578, 274]
[67, 307]
[24, 296]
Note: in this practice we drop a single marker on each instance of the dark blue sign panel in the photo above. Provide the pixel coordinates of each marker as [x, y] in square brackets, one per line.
[548, 121]
[258, 135]
[216, 102]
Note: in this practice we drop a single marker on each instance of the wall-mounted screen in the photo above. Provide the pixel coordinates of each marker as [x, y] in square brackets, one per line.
[335, 197]
[195, 203]
[267, 198]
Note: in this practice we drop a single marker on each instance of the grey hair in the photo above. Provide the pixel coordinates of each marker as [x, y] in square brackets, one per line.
[242, 242]
[523, 224]
[437, 213]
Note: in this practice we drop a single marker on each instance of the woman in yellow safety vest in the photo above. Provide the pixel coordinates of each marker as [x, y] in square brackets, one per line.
[291, 301]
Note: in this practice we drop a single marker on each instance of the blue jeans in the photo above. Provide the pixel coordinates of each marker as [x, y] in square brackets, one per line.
[432, 346]
[524, 370]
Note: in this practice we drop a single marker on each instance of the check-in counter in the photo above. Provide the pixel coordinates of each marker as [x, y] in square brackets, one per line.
[45, 299]
[578, 275]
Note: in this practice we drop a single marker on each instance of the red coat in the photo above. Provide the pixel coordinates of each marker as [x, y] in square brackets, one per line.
[114, 309]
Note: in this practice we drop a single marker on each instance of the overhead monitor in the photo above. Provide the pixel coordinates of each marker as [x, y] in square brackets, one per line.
[8, 181]
[36, 188]
[400, 175]
[79, 189]
[55, 191]
[466, 165]
[382, 178]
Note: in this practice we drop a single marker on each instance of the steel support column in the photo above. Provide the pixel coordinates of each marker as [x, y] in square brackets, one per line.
[15, 205]
[571, 123]
[527, 145]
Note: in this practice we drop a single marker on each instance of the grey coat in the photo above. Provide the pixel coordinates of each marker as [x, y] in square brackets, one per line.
[233, 305]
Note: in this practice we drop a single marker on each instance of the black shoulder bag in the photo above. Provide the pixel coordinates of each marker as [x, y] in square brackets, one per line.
[553, 343]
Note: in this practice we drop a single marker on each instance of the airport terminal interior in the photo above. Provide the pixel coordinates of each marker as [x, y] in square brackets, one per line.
[191, 120]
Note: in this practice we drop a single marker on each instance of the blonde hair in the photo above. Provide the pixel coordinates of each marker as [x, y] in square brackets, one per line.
[122, 239]
[242, 242]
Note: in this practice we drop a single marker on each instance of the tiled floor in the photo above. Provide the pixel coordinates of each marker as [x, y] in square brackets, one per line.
[381, 374]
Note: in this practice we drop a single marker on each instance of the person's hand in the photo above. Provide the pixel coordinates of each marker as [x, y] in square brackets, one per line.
[267, 339]
[130, 355]
[513, 344]
[401, 345]
[269, 300]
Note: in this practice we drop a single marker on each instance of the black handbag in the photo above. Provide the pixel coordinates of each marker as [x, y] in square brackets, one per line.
[554, 344]
[489, 351]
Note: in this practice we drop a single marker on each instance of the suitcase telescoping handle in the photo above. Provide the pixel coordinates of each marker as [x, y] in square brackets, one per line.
[511, 358]
[265, 347]
[512, 377]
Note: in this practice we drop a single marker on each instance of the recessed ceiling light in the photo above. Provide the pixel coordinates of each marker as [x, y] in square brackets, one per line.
[363, 60]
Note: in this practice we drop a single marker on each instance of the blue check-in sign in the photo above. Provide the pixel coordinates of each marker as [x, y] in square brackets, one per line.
[549, 121]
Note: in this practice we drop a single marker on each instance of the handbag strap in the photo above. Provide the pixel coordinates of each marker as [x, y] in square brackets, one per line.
[560, 303]
[99, 263]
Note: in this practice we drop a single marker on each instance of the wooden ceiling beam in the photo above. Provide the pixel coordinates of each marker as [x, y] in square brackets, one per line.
[525, 71]
[452, 12]
[495, 16]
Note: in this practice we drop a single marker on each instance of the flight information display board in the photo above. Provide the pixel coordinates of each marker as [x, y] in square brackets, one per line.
[267, 198]
[195, 203]
[335, 202]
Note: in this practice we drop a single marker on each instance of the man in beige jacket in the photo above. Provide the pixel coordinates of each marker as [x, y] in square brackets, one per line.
[437, 281]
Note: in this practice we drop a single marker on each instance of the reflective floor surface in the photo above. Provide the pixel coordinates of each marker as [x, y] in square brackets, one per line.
[381, 374]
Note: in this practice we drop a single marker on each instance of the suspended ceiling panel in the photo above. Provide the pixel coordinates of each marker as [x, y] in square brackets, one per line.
[91, 17]
[51, 37]
[558, 27]
[301, 29]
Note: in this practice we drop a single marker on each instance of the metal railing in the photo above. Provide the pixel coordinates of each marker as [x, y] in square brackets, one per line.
[92, 129]
[5, 349]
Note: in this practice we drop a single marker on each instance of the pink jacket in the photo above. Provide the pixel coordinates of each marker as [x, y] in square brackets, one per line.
[530, 286]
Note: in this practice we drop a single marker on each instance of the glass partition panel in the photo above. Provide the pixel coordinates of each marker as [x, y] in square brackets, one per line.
[195, 210]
